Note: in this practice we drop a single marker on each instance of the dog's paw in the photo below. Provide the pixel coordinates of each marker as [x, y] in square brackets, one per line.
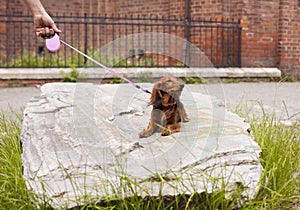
[186, 119]
[144, 134]
[166, 132]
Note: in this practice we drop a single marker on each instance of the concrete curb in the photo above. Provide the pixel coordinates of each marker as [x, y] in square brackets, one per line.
[99, 73]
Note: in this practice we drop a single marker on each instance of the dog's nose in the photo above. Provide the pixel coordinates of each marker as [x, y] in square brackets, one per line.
[182, 86]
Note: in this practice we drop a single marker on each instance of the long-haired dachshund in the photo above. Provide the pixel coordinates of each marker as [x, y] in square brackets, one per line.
[168, 112]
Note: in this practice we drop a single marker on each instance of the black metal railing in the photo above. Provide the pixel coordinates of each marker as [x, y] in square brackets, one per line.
[123, 42]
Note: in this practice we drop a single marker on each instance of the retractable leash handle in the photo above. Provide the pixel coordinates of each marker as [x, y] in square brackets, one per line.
[52, 42]
[53, 45]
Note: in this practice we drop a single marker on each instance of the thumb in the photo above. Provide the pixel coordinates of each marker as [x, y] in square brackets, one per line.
[54, 27]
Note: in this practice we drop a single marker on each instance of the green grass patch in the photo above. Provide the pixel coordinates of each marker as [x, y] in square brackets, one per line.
[280, 159]
[13, 191]
[48, 59]
[73, 76]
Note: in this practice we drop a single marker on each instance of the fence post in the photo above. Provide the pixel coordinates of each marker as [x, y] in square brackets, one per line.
[239, 43]
[6, 39]
[187, 22]
[187, 42]
[85, 39]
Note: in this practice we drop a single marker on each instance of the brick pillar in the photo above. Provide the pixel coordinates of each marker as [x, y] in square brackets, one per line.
[289, 37]
[3, 9]
[260, 33]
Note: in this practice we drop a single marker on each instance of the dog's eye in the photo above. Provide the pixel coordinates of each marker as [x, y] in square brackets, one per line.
[169, 80]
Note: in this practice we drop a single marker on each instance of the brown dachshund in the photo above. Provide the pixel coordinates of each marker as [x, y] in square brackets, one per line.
[168, 112]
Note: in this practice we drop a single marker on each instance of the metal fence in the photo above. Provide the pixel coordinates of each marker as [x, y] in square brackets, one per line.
[123, 42]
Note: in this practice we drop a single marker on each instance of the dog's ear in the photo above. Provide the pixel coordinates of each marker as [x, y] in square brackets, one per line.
[165, 99]
[156, 94]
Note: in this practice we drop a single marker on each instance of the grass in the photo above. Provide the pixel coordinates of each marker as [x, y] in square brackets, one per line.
[73, 76]
[280, 159]
[32, 59]
[48, 59]
[279, 186]
[13, 191]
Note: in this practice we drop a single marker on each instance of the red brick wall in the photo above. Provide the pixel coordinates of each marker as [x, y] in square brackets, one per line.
[140, 7]
[232, 8]
[206, 9]
[3, 7]
[260, 33]
[132, 7]
[60, 6]
[289, 37]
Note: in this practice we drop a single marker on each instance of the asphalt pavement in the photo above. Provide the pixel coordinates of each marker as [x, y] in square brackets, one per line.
[283, 99]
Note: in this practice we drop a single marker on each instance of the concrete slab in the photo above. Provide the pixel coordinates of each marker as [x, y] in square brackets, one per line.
[81, 139]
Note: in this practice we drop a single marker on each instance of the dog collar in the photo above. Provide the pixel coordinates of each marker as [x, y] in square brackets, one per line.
[171, 104]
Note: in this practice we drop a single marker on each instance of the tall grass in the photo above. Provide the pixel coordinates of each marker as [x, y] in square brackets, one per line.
[280, 159]
[13, 191]
[279, 187]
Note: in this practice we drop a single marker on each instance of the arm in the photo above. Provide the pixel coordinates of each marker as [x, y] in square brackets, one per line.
[44, 25]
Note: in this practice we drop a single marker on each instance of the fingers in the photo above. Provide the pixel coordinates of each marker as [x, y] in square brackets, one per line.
[45, 31]
[45, 26]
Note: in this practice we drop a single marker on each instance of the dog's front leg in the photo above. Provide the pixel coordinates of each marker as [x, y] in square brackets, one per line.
[183, 115]
[156, 123]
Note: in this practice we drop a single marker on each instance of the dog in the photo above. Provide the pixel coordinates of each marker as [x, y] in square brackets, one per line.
[167, 112]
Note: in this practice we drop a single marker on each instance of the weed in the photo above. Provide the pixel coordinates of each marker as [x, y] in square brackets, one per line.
[145, 77]
[194, 80]
[252, 79]
[73, 76]
[117, 80]
[232, 80]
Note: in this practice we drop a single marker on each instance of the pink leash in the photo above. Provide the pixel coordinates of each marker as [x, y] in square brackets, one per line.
[53, 45]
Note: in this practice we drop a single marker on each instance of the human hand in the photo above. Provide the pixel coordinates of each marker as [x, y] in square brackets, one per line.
[44, 25]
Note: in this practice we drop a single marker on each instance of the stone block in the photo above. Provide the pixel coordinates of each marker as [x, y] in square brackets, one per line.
[82, 139]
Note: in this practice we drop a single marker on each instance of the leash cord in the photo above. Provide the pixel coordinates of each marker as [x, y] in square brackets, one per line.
[106, 68]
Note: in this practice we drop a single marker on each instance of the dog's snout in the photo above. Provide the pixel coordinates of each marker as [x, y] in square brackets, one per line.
[181, 86]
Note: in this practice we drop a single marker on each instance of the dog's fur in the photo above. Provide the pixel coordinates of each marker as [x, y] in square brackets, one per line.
[168, 112]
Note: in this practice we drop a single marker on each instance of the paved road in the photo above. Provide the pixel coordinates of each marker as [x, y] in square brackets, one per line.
[281, 98]
[16, 98]
[273, 96]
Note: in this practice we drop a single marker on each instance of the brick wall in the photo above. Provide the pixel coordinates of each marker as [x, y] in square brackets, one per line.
[61, 6]
[132, 7]
[289, 36]
[3, 7]
[206, 8]
[260, 33]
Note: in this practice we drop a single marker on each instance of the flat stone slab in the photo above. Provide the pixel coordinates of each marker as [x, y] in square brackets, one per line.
[82, 139]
